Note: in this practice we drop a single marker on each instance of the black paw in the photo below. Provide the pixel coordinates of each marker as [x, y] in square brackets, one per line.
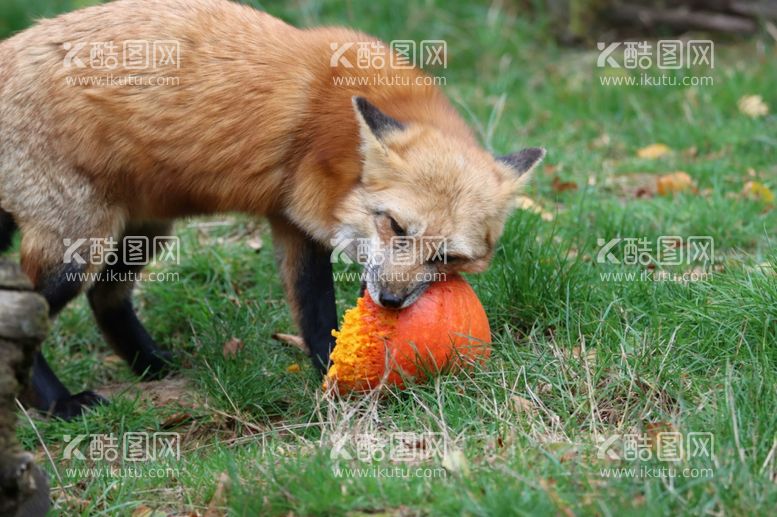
[75, 405]
[154, 367]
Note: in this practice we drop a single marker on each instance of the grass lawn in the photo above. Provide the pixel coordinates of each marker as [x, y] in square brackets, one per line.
[586, 351]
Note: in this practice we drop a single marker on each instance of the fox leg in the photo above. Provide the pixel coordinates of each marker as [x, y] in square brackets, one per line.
[47, 393]
[111, 302]
[307, 276]
[7, 229]
[59, 279]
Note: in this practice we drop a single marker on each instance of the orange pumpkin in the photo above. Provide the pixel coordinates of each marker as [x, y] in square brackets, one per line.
[446, 328]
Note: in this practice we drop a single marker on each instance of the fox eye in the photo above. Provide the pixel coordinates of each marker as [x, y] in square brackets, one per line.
[396, 228]
[447, 259]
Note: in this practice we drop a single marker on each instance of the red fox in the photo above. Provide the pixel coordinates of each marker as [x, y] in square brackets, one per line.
[248, 114]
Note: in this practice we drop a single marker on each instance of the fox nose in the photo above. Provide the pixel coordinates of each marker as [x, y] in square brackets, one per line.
[390, 300]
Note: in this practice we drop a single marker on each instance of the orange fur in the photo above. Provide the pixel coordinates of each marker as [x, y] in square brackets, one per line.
[255, 114]
[255, 125]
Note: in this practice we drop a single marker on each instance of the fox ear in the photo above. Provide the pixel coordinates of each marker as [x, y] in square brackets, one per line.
[372, 120]
[524, 160]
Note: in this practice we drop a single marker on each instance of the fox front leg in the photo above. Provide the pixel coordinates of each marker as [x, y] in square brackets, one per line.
[306, 270]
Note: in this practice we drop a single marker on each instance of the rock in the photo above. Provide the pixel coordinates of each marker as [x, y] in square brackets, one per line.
[24, 488]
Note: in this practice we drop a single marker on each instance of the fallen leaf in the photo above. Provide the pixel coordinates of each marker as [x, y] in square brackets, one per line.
[113, 359]
[523, 405]
[175, 420]
[674, 182]
[653, 430]
[232, 347]
[145, 511]
[292, 340]
[219, 499]
[142, 511]
[602, 140]
[293, 368]
[654, 151]
[590, 355]
[643, 192]
[633, 185]
[564, 451]
[255, 244]
[544, 388]
[570, 454]
[753, 106]
[456, 463]
[562, 186]
[758, 191]
[528, 204]
[63, 498]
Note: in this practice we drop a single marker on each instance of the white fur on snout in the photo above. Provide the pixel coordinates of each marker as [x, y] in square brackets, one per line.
[372, 272]
[374, 289]
[414, 296]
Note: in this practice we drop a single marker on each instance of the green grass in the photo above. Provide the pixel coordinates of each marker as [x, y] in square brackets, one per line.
[577, 357]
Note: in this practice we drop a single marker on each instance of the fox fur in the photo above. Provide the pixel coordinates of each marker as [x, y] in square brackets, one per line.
[254, 123]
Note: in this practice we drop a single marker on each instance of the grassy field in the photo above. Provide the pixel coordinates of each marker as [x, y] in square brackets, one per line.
[585, 353]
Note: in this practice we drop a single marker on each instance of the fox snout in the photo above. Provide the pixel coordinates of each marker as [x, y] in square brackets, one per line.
[399, 300]
[397, 290]
[390, 300]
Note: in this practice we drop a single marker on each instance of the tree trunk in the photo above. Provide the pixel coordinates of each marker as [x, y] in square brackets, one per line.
[24, 489]
[577, 21]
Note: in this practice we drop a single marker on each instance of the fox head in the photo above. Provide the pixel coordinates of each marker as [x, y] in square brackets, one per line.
[427, 205]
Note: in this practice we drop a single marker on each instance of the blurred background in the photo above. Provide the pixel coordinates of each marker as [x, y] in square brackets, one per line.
[568, 21]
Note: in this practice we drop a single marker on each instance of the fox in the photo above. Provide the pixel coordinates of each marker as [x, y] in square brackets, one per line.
[251, 115]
